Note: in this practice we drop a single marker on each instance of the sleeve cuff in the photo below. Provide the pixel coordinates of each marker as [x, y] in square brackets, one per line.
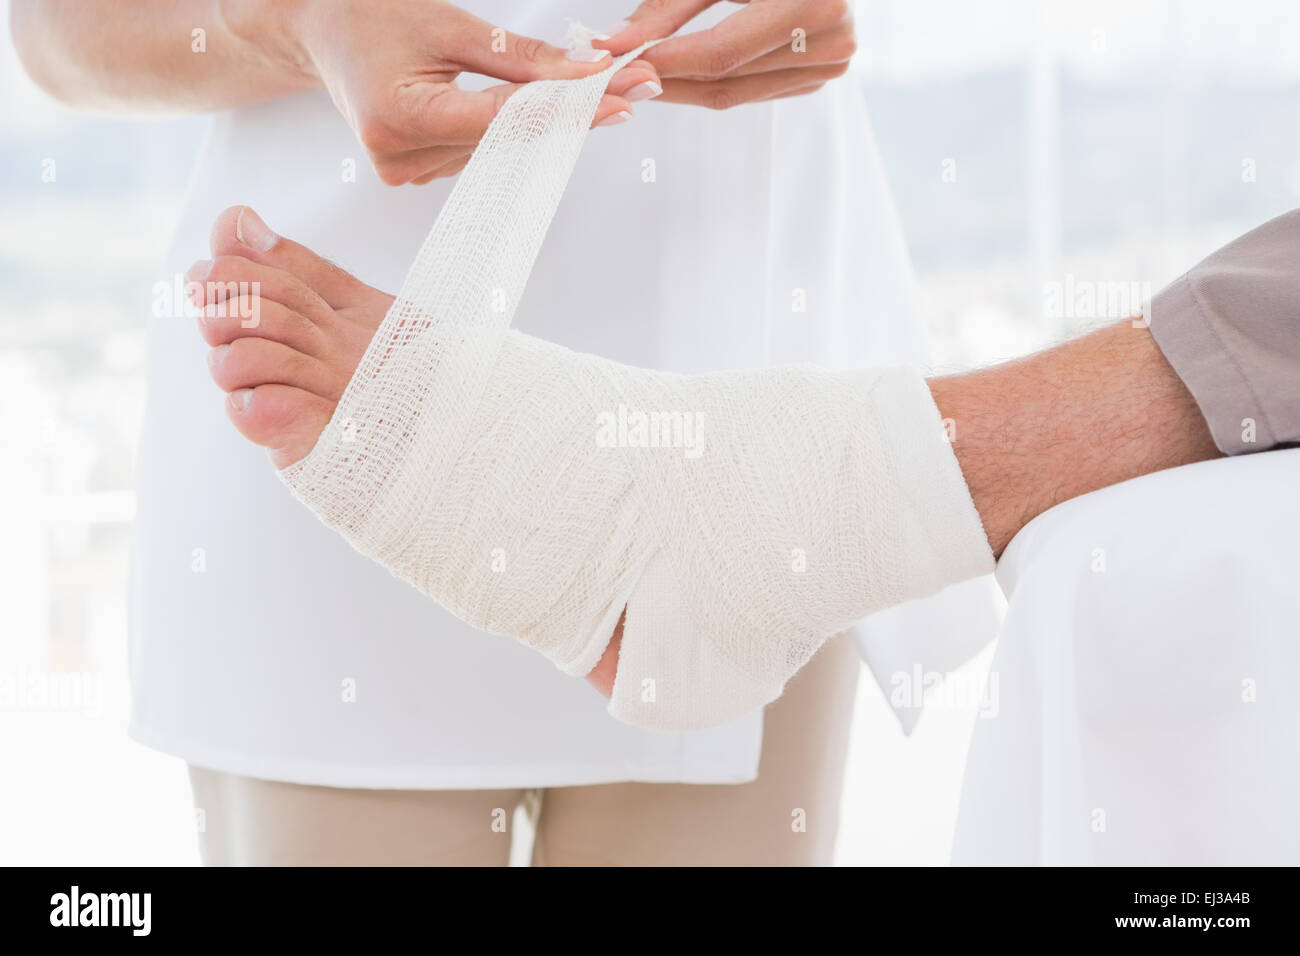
[1187, 337]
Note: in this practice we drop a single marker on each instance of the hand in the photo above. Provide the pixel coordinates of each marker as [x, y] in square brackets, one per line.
[771, 49]
[391, 68]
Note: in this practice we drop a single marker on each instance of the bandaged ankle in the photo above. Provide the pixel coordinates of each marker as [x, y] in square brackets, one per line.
[740, 518]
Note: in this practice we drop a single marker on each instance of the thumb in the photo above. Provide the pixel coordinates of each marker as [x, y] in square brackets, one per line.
[480, 47]
[653, 20]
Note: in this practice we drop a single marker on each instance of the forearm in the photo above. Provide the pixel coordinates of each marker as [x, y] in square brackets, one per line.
[1032, 433]
[118, 56]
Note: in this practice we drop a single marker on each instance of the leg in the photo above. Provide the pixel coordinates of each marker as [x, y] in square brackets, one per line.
[1090, 413]
[823, 497]
[787, 817]
[252, 822]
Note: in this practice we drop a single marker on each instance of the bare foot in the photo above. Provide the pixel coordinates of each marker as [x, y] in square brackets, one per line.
[287, 330]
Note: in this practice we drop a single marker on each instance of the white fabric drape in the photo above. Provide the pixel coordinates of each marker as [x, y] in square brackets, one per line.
[1148, 673]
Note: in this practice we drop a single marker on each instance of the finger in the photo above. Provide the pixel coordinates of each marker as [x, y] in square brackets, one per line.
[462, 117]
[796, 91]
[823, 50]
[446, 115]
[727, 93]
[443, 172]
[611, 111]
[636, 82]
[651, 21]
[746, 35]
[480, 47]
[421, 166]
[417, 165]
[451, 169]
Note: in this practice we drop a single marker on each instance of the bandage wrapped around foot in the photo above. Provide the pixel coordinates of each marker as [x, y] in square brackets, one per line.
[740, 518]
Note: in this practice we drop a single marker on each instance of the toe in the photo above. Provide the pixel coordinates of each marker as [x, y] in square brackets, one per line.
[226, 277]
[249, 362]
[286, 421]
[239, 231]
[250, 316]
[602, 675]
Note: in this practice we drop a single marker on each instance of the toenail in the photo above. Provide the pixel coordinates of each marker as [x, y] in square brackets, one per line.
[199, 270]
[216, 355]
[252, 232]
[239, 399]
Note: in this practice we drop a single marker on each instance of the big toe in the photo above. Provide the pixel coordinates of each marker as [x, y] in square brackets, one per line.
[239, 231]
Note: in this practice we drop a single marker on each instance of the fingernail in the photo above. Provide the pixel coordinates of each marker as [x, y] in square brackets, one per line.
[216, 355]
[619, 27]
[240, 398]
[643, 91]
[199, 270]
[622, 116]
[252, 232]
[586, 55]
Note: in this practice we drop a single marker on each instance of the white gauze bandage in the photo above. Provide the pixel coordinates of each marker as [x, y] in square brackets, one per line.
[740, 518]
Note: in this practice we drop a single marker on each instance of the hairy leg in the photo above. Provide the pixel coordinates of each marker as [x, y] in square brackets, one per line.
[1095, 411]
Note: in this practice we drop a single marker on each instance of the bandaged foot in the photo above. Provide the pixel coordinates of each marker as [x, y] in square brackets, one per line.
[732, 521]
[740, 518]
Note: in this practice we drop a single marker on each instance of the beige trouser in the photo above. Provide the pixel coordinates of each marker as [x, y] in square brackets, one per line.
[788, 816]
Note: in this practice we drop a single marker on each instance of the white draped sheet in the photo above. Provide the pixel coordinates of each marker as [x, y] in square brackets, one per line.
[1148, 678]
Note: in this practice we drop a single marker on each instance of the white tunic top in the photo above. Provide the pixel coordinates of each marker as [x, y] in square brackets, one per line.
[689, 240]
